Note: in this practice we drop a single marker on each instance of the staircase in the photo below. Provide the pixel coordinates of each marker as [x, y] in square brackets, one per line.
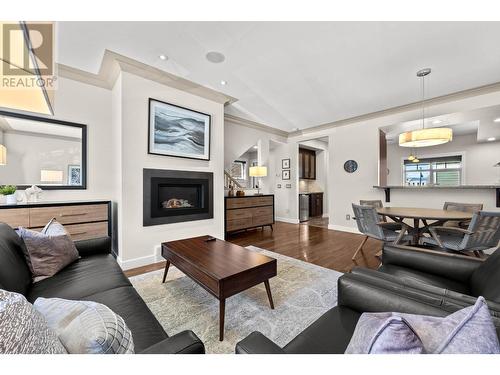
[228, 180]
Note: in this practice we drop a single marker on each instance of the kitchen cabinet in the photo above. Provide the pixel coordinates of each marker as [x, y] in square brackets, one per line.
[315, 204]
[307, 164]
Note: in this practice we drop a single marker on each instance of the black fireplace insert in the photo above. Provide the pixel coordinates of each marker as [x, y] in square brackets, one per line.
[172, 196]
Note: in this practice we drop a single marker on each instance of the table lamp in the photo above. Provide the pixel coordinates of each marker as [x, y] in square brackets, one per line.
[258, 171]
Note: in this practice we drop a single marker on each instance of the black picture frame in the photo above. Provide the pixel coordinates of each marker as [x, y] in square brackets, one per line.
[285, 163]
[83, 127]
[178, 155]
[285, 174]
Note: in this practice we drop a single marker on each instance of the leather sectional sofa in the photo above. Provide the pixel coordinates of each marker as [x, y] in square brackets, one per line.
[96, 276]
[379, 291]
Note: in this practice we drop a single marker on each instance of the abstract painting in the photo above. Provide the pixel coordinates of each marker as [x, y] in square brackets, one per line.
[178, 131]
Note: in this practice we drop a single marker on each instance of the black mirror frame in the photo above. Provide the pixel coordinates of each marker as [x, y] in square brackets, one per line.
[83, 185]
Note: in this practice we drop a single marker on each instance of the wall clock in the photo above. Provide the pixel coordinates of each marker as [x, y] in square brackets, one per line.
[350, 166]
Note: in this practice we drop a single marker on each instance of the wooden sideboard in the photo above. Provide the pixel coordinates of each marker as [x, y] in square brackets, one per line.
[82, 219]
[248, 212]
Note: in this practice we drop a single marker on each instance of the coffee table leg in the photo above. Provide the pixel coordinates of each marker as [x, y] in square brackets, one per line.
[416, 235]
[222, 311]
[269, 295]
[166, 271]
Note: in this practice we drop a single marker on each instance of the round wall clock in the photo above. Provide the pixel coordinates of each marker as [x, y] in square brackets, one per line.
[350, 166]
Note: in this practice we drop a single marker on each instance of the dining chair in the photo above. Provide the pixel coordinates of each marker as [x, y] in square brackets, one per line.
[483, 233]
[370, 224]
[377, 203]
[463, 207]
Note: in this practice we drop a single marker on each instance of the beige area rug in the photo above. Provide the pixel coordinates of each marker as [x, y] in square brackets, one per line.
[302, 292]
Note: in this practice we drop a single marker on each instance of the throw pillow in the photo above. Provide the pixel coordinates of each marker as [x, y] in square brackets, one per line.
[467, 331]
[54, 228]
[379, 334]
[23, 330]
[48, 253]
[86, 327]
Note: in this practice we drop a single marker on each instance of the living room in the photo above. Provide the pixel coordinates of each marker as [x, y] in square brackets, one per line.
[189, 187]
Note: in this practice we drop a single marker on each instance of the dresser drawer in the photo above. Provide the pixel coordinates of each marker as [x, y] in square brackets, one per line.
[85, 231]
[244, 213]
[249, 202]
[238, 224]
[262, 216]
[40, 216]
[15, 217]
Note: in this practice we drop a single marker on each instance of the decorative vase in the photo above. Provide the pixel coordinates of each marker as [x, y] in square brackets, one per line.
[11, 199]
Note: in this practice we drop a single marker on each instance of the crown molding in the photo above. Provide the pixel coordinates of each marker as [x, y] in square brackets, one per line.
[113, 63]
[255, 125]
[464, 94]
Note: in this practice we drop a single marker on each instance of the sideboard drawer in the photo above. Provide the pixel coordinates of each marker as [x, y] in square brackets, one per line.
[263, 211]
[239, 214]
[249, 202]
[238, 224]
[15, 217]
[40, 216]
[85, 231]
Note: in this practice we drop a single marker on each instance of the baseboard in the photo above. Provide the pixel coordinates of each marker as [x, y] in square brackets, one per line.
[138, 262]
[287, 220]
[343, 228]
[326, 216]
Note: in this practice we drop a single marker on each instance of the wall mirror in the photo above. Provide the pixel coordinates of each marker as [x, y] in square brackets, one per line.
[41, 151]
[470, 158]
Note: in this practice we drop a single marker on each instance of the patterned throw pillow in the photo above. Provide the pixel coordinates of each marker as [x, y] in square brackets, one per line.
[49, 251]
[23, 330]
[86, 327]
[466, 331]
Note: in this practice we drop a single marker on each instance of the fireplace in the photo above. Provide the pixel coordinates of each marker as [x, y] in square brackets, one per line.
[176, 196]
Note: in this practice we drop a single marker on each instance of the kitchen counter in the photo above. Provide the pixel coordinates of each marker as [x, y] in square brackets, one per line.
[310, 192]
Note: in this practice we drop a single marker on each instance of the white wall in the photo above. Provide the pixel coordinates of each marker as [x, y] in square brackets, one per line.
[286, 199]
[138, 243]
[239, 138]
[90, 105]
[478, 161]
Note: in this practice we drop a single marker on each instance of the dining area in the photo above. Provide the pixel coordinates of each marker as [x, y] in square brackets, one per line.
[455, 228]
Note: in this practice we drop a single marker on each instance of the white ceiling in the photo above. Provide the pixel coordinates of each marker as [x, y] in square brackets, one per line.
[300, 74]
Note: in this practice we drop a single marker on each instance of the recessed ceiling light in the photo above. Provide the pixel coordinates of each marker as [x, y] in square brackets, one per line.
[496, 120]
[223, 83]
[163, 57]
[215, 57]
[255, 147]
[437, 122]
[491, 139]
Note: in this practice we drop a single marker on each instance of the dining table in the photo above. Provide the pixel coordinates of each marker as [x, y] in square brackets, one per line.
[423, 218]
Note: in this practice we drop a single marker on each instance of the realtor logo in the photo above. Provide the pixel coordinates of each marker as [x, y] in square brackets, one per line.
[27, 54]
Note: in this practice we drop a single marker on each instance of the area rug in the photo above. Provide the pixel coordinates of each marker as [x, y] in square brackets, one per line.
[302, 292]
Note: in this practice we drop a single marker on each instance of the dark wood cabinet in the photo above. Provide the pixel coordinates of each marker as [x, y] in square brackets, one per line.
[307, 164]
[315, 204]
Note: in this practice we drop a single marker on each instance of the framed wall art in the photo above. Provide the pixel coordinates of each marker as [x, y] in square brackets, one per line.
[178, 131]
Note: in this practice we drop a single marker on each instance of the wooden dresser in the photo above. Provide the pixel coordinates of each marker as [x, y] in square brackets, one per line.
[82, 219]
[248, 212]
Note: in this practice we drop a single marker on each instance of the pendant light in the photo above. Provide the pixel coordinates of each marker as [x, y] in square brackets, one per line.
[425, 137]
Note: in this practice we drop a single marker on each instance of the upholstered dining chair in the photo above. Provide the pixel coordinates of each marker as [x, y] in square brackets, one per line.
[370, 224]
[377, 203]
[463, 207]
[483, 233]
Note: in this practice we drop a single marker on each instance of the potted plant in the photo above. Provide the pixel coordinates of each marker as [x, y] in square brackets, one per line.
[9, 191]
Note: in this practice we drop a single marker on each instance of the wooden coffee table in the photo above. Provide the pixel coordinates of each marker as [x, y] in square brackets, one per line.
[222, 268]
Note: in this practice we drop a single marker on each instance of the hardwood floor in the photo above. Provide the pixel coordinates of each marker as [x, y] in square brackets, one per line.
[327, 248]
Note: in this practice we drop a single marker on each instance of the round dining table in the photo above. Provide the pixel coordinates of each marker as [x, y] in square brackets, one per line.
[437, 217]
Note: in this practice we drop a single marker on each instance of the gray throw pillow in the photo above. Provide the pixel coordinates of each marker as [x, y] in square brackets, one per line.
[86, 327]
[383, 334]
[23, 330]
[467, 331]
[48, 252]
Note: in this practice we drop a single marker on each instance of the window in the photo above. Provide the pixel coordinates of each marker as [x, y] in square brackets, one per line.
[439, 171]
[238, 170]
